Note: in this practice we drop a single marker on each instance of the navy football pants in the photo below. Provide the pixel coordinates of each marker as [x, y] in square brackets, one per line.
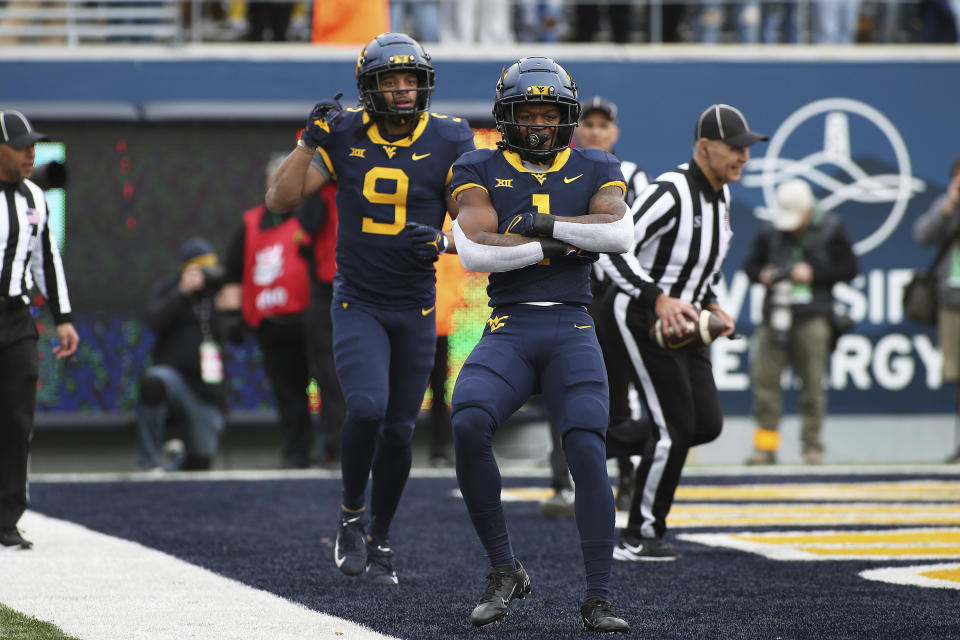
[525, 350]
[383, 358]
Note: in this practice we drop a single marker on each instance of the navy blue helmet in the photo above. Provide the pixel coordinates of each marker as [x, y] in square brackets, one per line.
[386, 53]
[535, 80]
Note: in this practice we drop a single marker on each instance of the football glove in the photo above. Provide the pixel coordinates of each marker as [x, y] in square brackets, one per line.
[427, 242]
[322, 119]
[531, 224]
[580, 256]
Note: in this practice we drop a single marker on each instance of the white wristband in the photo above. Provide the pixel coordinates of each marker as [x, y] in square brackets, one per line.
[607, 237]
[488, 258]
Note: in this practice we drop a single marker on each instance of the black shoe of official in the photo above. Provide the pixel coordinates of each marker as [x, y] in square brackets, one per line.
[598, 615]
[350, 550]
[631, 549]
[379, 569]
[11, 539]
[506, 583]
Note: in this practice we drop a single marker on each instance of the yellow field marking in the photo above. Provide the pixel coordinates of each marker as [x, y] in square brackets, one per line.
[892, 544]
[923, 491]
[739, 515]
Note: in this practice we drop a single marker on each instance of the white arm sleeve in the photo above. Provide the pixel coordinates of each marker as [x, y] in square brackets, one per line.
[609, 237]
[486, 258]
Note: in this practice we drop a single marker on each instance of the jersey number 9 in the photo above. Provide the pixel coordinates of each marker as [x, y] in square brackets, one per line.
[398, 198]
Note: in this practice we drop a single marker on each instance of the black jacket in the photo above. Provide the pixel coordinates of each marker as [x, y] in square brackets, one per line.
[175, 319]
[824, 245]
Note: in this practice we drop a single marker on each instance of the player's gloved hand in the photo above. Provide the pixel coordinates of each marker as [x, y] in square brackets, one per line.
[427, 242]
[324, 115]
[580, 256]
[531, 224]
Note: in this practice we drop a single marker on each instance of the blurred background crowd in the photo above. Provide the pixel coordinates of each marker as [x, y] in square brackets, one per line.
[487, 22]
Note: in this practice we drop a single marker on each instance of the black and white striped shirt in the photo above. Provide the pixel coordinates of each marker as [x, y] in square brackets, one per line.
[636, 180]
[682, 234]
[28, 251]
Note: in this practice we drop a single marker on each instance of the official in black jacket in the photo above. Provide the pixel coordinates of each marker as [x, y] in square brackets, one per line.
[799, 257]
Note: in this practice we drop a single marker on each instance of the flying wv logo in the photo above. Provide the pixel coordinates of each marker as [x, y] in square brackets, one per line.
[390, 151]
[496, 322]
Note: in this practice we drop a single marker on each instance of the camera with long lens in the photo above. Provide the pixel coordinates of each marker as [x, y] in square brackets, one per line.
[781, 305]
[214, 277]
[52, 175]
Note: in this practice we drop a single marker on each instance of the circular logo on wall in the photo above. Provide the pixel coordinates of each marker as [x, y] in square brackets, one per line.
[881, 191]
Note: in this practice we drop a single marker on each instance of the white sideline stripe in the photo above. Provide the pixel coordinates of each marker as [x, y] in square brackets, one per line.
[98, 587]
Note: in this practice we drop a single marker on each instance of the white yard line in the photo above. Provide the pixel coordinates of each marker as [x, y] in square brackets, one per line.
[98, 587]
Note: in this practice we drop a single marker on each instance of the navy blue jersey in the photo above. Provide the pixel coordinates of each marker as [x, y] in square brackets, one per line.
[563, 189]
[382, 185]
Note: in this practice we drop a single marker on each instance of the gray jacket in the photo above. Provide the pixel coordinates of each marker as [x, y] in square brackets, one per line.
[931, 228]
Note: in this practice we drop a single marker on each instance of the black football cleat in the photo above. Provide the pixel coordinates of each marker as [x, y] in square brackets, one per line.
[379, 569]
[598, 615]
[350, 550]
[11, 539]
[632, 549]
[506, 583]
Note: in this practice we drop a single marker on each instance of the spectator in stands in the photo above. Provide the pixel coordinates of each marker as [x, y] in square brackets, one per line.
[272, 16]
[835, 21]
[798, 258]
[185, 382]
[940, 225]
[713, 17]
[31, 258]
[473, 21]
[539, 20]
[423, 17]
[779, 22]
[938, 20]
[588, 20]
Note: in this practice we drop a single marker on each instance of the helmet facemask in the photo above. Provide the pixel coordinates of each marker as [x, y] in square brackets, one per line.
[525, 144]
[374, 100]
[388, 53]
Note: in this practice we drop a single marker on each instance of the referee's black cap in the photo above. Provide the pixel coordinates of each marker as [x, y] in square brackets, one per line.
[15, 130]
[723, 122]
[596, 103]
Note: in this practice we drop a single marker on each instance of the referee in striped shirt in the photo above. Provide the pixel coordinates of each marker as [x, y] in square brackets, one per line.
[28, 256]
[682, 234]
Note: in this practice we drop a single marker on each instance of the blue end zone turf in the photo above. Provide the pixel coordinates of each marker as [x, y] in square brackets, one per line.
[277, 535]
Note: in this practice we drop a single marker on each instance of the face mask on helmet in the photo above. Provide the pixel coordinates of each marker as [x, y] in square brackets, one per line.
[388, 53]
[535, 81]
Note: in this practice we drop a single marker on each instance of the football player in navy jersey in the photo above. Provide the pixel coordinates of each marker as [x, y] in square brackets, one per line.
[534, 213]
[391, 159]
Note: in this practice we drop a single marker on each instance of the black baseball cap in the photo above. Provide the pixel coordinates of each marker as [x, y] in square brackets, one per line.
[602, 105]
[15, 130]
[723, 122]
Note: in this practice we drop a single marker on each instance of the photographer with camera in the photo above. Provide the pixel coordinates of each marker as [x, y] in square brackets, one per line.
[185, 382]
[798, 258]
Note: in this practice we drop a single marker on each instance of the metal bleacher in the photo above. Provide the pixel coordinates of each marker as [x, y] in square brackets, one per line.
[72, 22]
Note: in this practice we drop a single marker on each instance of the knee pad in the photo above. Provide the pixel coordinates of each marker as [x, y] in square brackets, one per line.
[152, 390]
[472, 426]
[362, 407]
